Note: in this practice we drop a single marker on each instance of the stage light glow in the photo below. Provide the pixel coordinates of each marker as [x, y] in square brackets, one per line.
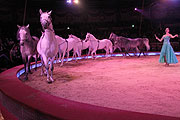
[68, 28]
[135, 9]
[76, 1]
[69, 1]
[132, 26]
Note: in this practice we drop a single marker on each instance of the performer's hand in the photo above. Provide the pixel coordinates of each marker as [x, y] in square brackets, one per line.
[155, 36]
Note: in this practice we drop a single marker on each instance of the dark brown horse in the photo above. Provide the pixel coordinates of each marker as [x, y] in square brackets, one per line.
[28, 46]
[129, 43]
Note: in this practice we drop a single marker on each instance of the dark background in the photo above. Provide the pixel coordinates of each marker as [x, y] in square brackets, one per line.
[99, 17]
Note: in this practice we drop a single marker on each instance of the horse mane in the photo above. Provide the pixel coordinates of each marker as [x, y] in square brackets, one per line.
[73, 36]
[92, 36]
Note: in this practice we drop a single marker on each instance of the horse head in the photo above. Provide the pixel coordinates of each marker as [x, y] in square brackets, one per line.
[70, 36]
[112, 36]
[87, 37]
[90, 37]
[45, 19]
[23, 34]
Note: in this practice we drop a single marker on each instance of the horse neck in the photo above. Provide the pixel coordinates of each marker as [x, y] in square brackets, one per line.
[29, 37]
[85, 44]
[93, 39]
[49, 34]
[76, 38]
[51, 27]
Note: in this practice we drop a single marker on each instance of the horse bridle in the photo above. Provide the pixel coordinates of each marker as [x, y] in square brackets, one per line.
[48, 23]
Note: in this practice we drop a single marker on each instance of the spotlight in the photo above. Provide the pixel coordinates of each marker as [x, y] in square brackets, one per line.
[76, 1]
[135, 9]
[69, 1]
[68, 28]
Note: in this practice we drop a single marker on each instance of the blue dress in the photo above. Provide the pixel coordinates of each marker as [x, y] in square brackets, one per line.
[167, 51]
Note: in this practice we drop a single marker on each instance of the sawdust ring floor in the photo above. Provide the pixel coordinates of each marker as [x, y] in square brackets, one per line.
[127, 83]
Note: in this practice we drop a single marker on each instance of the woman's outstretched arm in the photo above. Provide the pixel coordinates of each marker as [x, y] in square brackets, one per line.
[173, 36]
[158, 38]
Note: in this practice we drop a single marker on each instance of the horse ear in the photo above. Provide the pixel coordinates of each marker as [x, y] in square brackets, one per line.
[50, 12]
[40, 11]
[27, 26]
[18, 26]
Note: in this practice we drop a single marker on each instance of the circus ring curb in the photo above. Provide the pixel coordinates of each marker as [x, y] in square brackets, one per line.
[19, 101]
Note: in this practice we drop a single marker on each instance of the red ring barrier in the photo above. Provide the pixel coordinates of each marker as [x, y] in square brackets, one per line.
[23, 101]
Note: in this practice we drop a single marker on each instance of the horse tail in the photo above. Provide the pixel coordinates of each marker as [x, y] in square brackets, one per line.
[35, 38]
[146, 42]
[111, 47]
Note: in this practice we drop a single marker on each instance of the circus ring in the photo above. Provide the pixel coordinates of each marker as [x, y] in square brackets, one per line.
[19, 101]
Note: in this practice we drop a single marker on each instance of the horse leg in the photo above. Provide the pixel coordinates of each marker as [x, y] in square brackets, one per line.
[76, 56]
[144, 53]
[74, 52]
[127, 52]
[107, 51]
[62, 60]
[88, 52]
[45, 59]
[137, 50]
[59, 52]
[59, 57]
[114, 48]
[29, 63]
[67, 56]
[93, 53]
[80, 52]
[52, 68]
[139, 54]
[42, 66]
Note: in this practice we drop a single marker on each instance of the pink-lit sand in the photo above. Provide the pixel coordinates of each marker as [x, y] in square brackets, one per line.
[127, 83]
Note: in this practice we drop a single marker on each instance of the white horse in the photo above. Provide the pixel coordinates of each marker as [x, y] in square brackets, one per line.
[96, 44]
[81, 45]
[65, 46]
[47, 46]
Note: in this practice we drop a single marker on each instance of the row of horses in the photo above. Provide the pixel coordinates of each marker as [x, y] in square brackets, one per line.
[50, 44]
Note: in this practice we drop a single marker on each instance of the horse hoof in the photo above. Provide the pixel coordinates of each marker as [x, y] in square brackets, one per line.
[49, 82]
[25, 78]
[29, 71]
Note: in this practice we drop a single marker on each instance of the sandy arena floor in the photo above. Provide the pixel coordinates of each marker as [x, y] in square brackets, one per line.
[126, 83]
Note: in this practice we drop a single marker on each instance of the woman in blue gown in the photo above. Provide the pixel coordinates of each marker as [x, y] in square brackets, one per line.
[167, 53]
